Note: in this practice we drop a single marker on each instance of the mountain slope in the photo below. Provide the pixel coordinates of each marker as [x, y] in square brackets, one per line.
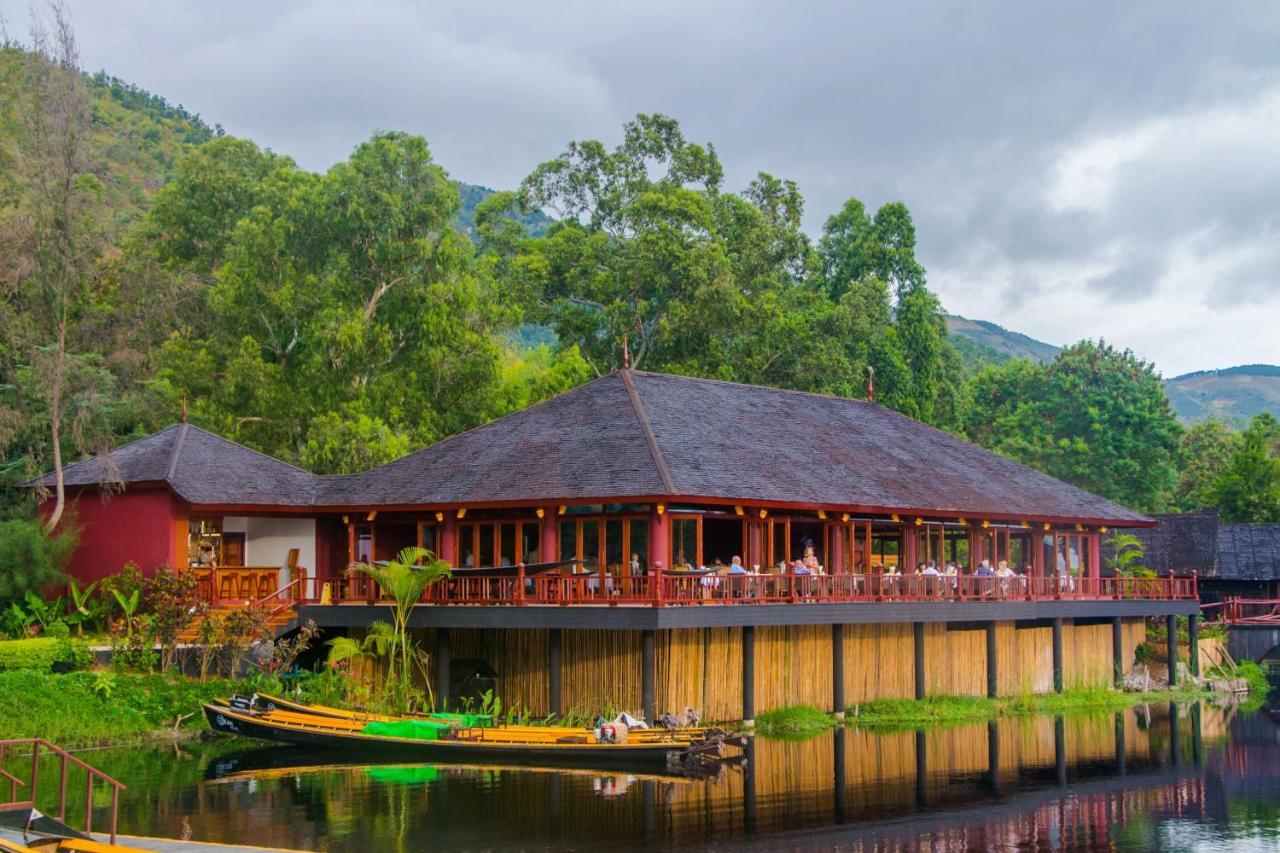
[983, 343]
[1234, 394]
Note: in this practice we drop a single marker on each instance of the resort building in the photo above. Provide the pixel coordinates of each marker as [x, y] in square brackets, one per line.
[654, 541]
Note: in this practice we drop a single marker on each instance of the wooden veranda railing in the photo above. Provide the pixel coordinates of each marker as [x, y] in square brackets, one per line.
[676, 589]
[1244, 611]
[30, 786]
[249, 583]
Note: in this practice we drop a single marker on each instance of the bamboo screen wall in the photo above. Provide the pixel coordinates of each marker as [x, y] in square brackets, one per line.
[701, 668]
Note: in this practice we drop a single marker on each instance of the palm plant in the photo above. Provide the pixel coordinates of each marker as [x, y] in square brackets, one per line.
[403, 580]
[1127, 551]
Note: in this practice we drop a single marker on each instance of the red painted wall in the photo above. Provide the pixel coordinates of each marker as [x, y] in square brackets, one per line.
[139, 525]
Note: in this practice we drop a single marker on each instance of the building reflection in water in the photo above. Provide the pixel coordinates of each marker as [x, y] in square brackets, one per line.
[1047, 783]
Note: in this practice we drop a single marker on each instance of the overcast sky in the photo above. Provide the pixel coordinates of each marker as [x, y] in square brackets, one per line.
[1075, 169]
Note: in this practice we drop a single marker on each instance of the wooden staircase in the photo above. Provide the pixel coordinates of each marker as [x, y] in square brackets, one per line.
[281, 621]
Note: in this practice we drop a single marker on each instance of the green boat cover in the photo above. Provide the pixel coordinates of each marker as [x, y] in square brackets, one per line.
[414, 729]
[404, 775]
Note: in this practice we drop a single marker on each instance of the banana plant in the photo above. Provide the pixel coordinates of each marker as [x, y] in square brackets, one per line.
[80, 599]
[128, 606]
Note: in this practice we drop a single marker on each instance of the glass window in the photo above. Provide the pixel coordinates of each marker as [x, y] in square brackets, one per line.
[640, 541]
[684, 542]
[506, 544]
[568, 540]
[591, 543]
[613, 545]
[530, 552]
[485, 555]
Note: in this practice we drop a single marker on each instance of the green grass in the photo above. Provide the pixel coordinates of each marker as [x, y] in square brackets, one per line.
[933, 711]
[97, 709]
[797, 721]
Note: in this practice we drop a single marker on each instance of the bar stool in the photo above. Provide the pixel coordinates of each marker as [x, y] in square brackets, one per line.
[226, 584]
[266, 584]
[246, 587]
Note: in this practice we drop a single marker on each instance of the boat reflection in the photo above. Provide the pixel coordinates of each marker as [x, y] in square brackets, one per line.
[1059, 784]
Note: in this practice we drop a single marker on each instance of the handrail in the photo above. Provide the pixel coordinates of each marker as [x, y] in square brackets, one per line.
[296, 584]
[665, 588]
[92, 774]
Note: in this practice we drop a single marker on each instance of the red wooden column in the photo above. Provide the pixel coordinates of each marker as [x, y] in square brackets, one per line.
[1095, 555]
[836, 564]
[755, 544]
[547, 536]
[659, 539]
[909, 550]
[449, 538]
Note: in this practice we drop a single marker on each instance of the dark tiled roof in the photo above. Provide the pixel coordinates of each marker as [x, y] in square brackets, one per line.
[1249, 552]
[637, 434]
[738, 441]
[200, 467]
[585, 443]
[1182, 543]
[719, 440]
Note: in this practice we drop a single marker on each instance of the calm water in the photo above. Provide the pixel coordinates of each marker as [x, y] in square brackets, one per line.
[1163, 778]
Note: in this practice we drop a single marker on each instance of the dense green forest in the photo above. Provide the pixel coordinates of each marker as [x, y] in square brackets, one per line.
[340, 319]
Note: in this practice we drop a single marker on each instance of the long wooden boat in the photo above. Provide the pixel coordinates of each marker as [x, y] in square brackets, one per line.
[692, 734]
[461, 744]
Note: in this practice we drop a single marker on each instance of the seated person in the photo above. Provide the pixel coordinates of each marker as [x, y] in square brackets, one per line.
[984, 570]
[800, 568]
[930, 571]
[1003, 570]
[736, 567]
[810, 559]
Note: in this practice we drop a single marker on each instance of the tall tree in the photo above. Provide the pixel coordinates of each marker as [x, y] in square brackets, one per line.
[1096, 416]
[54, 240]
[1248, 489]
[871, 263]
[1203, 455]
[352, 321]
[634, 241]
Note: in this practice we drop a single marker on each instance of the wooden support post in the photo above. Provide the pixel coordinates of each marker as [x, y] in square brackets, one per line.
[1117, 651]
[442, 668]
[1193, 635]
[547, 536]
[1060, 750]
[1121, 750]
[1057, 654]
[449, 539]
[555, 671]
[647, 678]
[922, 768]
[749, 676]
[993, 673]
[1171, 629]
[837, 671]
[993, 756]
[917, 631]
[659, 538]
